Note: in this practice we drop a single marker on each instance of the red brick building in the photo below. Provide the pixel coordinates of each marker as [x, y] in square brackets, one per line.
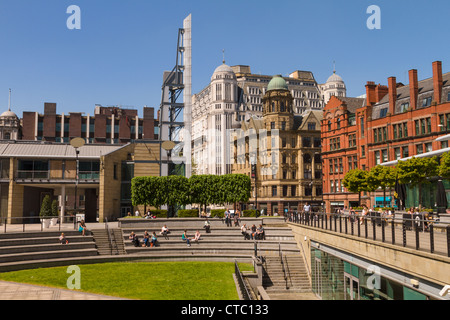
[391, 123]
[110, 125]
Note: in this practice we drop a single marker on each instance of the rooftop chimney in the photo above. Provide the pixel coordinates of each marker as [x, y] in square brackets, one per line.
[437, 81]
[413, 88]
[370, 93]
[380, 92]
[392, 84]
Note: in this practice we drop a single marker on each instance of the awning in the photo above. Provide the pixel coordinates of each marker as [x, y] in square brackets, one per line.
[423, 155]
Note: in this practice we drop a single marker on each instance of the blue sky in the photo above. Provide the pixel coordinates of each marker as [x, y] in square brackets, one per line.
[123, 47]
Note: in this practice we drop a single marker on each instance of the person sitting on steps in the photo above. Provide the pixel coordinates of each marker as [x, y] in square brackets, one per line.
[184, 237]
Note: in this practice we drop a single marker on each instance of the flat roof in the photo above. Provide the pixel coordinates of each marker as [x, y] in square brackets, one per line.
[56, 151]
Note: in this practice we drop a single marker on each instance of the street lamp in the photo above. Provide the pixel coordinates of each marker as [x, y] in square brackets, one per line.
[76, 143]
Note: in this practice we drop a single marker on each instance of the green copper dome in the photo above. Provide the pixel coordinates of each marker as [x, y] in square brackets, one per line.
[277, 83]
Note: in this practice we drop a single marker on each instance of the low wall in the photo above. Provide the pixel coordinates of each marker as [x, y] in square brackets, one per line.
[412, 263]
[188, 223]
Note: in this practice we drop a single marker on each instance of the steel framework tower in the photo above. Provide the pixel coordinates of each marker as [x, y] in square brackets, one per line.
[175, 113]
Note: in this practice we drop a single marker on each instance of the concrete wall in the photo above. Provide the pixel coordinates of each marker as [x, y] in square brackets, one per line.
[430, 267]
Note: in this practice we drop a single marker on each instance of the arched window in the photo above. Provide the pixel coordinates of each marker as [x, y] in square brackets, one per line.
[273, 106]
[307, 158]
[282, 107]
[329, 125]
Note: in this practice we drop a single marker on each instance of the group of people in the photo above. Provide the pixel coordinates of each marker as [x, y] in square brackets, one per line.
[253, 233]
[232, 217]
[148, 240]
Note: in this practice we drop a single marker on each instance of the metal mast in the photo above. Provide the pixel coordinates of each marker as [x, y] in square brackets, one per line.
[175, 108]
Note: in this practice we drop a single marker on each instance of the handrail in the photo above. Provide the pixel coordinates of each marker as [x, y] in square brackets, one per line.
[280, 253]
[110, 237]
[357, 225]
[242, 286]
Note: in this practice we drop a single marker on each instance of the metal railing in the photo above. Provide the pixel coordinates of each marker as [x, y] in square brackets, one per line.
[24, 224]
[419, 231]
[280, 253]
[242, 285]
[108, 231]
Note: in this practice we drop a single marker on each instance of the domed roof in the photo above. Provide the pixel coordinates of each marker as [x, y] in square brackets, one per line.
[8, 114]
[335, 78]
[277, 83]
[223, 68]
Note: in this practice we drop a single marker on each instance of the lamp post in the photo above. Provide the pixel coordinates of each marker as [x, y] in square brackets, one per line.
[253, 161]
[76, 143]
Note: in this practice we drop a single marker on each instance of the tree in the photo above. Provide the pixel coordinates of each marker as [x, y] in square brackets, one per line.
[381, 177]
[46, 207]
[417, 171]
[444, 166]
[235, 188]
[54, 208]
[356, 181]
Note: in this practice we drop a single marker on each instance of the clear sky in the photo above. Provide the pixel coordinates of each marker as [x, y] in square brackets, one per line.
[123, 47]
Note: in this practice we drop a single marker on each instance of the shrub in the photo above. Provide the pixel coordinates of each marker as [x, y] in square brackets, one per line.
[218, 212]
[159, 213]
[54, 208]
[249, 213]
[46, 207]
[188, 213]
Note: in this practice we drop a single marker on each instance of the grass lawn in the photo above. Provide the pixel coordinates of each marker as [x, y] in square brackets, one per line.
[145, 281]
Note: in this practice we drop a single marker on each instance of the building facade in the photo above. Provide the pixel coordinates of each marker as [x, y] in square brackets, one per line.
[392, 123]
[281, 153]
[109, 125]
[233, 95]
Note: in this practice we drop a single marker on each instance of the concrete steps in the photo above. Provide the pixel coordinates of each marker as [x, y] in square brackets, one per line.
[36, 246]
[293, 280]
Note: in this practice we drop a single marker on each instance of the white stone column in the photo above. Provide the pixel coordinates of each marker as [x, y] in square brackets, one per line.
[63, 203]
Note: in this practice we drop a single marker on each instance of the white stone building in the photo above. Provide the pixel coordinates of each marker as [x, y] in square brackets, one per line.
[235, 95]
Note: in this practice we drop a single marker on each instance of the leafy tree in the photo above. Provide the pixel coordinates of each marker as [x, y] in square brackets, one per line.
[356, 181]
[54, 208]
[381, 177]
[46, 207]
[444, 165]
[416, 171]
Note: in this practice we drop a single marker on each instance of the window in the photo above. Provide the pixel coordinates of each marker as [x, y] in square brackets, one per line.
[417, 125]
[350, 161]
[363, 151]
[329, 125]
[442, 122]
[293, 142]
[317, 142]
[419, 149]
[404, 107]
[397, 153]
[428, 147]
[405, 129]
[274, 191]
[306, 142]
[385, 156]
[422, 123]
[429, 125]
[272, 125]
[293, 191]
[426, 102]
[377, 157]
[383, 112]
[285, 191]
[338, 122]
[283, 125]
[405, 152]
[332, 187]
[311, 126]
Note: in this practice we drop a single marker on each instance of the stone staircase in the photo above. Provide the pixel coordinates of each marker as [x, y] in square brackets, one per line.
[294, 278]
[22, 250]
[105, 246]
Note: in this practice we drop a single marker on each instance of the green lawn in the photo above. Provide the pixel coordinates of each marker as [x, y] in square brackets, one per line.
[146, 281]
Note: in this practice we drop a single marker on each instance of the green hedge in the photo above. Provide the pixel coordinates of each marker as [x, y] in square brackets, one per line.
[218, 212]
[188, 213]
[159, 213]
[249, 213]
